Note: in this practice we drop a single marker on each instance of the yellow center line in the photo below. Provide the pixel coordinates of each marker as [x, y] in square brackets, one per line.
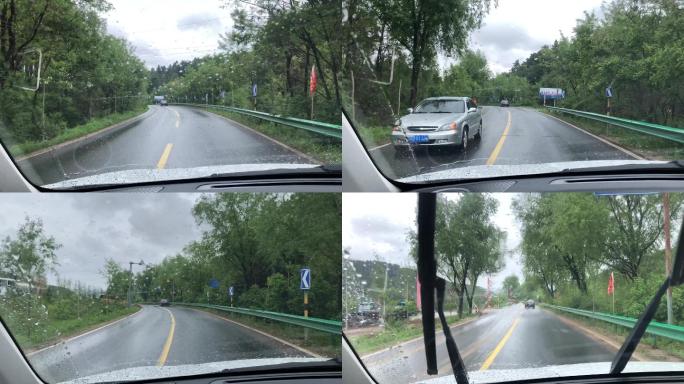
[499, 145]
[495, 352]
[169, 339]
[165, 156]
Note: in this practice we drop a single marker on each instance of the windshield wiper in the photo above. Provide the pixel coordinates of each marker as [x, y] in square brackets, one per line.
[676, 278]
[429, 283]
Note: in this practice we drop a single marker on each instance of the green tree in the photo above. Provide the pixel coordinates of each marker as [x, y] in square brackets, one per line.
[30, 255]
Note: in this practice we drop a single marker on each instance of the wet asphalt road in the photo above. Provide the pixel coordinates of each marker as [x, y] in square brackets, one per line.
[141, 340]
[532, 138]
[536, 338]
[167, 137]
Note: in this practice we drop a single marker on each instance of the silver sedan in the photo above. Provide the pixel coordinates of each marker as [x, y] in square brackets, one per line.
[439, 121]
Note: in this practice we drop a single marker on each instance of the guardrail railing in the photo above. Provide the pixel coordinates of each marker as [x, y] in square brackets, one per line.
[323, 325]
[326, 129]
[657, 130]
[668, 331]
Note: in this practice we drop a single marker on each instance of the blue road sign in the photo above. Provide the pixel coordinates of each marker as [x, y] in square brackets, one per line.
[305, 278]
[231, 290]
[609, 92]
[214, 283]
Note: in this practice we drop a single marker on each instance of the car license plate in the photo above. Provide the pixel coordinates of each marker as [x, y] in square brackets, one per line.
[417, 139]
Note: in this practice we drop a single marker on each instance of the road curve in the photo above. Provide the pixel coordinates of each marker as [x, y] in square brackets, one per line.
[167, 137]
[509, 338]
[156, 336]
[512, 135]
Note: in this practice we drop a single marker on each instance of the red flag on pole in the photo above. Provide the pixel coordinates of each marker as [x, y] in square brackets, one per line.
[417, 293]
[611, 284]
[313, 81]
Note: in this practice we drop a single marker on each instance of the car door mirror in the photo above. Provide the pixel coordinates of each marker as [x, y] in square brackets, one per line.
[410, 110]
[473, 109]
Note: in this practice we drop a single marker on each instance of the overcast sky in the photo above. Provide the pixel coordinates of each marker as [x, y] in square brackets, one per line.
[93, 227]
[517, 28]
[377, 223]
[163, 31]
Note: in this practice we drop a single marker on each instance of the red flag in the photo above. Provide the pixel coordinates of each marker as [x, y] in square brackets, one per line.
[313, 81]
[417, 293]
[611, 284]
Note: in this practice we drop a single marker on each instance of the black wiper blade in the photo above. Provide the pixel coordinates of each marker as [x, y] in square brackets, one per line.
[429, 283]
[455, 358]
[427, 271]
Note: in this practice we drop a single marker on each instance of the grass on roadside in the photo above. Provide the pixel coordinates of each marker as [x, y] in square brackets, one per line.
[375, 136]
[54, 330]
[325, 344]
[92, 126]
[650, 147]
[326, 150]
[395, 333]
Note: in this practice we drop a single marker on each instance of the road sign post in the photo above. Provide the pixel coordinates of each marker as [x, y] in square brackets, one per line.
[305, 285]
[231, 292]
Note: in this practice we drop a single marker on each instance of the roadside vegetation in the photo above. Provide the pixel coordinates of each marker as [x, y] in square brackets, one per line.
[272, 45]
[86, 74]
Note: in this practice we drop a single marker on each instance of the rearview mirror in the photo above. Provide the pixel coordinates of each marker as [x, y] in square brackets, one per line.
[677, 274]
[410, 110]
[472, 110]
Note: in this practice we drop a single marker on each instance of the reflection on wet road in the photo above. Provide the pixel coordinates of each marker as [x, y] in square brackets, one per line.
[157, 336]
[509, 338]
[166, 137]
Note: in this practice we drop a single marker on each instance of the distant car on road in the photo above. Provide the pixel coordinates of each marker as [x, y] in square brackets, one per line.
[439, 122]
[529, 304]
[164, 303]
[504, 103]
[164, 103]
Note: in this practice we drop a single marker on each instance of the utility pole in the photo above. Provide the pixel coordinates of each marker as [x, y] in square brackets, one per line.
[130, 285]
[668, 251]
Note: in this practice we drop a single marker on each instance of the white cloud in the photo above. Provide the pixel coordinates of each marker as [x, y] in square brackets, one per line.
[164, 31]
[517, 28]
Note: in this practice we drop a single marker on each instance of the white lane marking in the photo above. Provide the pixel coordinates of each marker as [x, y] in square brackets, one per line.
[84, 334]
[626, 151]
[300, 349]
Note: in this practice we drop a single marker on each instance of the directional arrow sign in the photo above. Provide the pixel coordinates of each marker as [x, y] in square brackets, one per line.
[231, 290]
[305, 279]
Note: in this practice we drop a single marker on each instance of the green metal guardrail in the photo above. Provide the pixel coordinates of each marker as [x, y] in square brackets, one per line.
[673, 332]
[662, 131]
[328, 326]
[326, 129]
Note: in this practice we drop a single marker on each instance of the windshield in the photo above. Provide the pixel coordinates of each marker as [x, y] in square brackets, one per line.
[558, 87]
[537, 285]
[441, 106]
[113, 88]
[129, 287]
